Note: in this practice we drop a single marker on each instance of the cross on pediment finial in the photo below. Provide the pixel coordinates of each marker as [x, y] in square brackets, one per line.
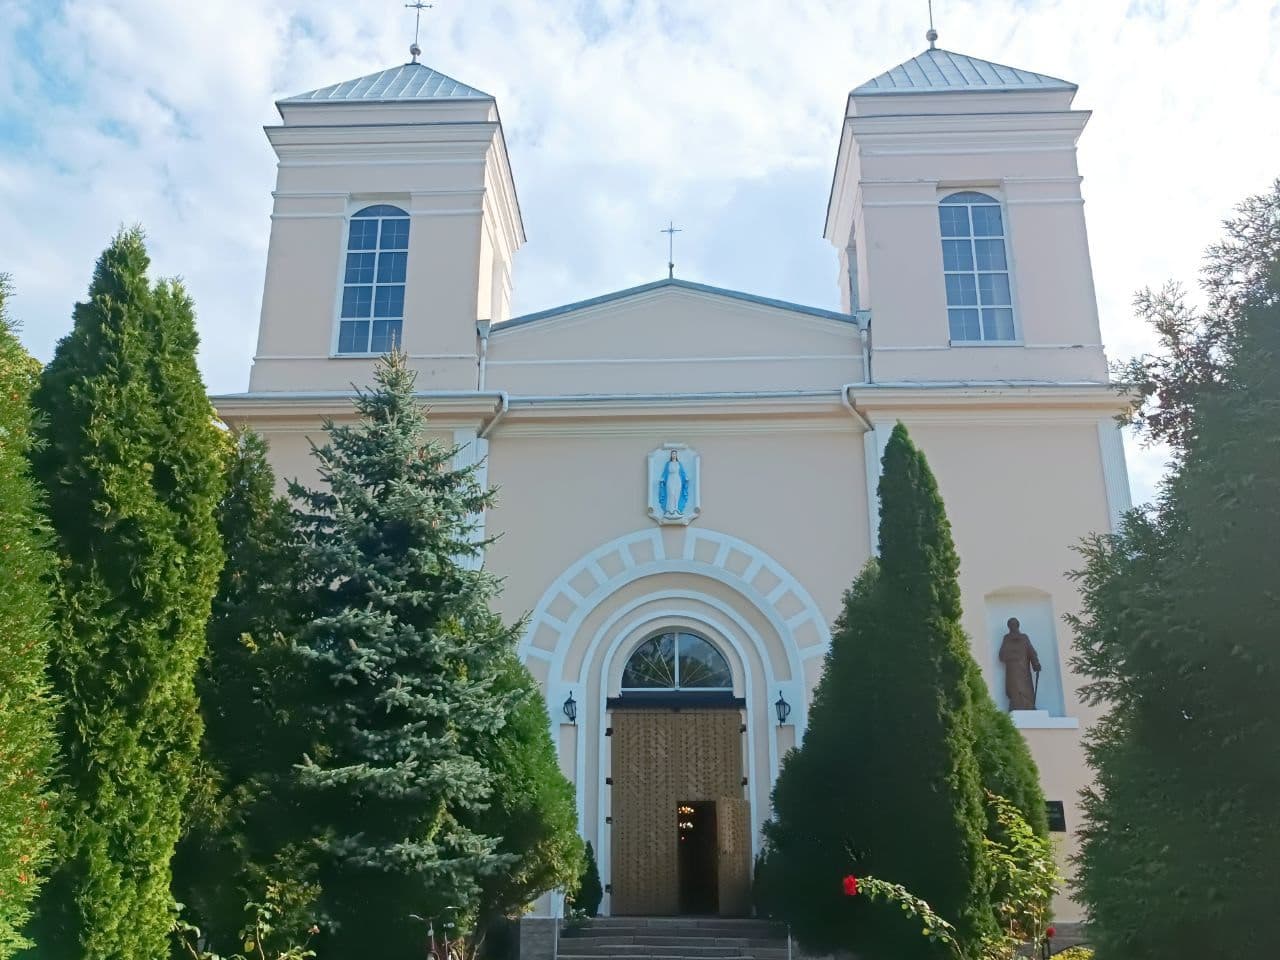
[671, 230]
[417, 6]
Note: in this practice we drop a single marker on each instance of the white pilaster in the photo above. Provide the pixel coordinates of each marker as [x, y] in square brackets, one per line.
[473, 452]
[873, 443]
[1115, 472]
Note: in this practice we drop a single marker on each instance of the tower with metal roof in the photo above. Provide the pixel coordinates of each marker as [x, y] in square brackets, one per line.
[399, 184]
[929, 148]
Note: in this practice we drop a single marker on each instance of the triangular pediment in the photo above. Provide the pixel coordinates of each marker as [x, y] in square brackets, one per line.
[678, 288]
[674, 336]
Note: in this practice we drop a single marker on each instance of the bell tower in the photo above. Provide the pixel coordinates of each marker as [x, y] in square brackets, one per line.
[957, 213]
[395, 223]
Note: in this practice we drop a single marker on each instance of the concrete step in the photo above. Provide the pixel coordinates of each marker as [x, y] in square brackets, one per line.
[684, 926]
[686, 947]
[589, 937]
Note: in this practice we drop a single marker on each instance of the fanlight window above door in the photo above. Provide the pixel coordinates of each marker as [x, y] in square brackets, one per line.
[677, 661]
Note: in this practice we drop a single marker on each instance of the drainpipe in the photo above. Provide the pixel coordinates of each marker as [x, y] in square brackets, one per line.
[864, 330]
[504, 406]
[482, 328]
[846, 398]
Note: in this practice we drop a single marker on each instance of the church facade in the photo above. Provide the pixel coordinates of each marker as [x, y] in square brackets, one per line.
[688, 474]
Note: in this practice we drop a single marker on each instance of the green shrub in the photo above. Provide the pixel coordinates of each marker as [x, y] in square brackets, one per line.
[590, 893]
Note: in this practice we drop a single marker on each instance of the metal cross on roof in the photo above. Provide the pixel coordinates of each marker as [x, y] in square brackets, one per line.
[671, 231]
[417, 6]
[932, 35]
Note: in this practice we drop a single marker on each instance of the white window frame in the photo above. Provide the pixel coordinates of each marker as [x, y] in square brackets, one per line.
[354, 208]
[985, 192]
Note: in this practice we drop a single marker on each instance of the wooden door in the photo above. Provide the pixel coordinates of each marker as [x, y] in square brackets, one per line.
[733, 828]
[660, 759]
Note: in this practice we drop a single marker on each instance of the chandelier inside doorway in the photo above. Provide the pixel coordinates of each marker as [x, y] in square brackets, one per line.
[677, 661]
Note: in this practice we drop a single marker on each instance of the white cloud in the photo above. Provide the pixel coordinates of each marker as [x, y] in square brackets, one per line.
[620, 113]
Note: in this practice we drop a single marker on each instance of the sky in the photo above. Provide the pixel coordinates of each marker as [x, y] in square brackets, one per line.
[723, 115]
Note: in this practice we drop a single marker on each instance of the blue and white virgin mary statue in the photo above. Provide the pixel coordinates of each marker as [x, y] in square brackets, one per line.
[673, 487]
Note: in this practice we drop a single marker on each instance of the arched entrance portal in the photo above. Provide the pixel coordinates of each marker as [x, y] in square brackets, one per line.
[603, 607]
[681, 831]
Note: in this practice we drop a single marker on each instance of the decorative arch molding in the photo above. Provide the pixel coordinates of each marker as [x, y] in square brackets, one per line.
[750, 572]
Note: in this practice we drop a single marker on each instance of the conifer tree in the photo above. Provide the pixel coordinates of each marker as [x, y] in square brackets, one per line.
[533, 809]
[887, 781]
[242, 818]
[401, 658]
[1179, 635]
[589, 893]
[130, 462]
[26, 704]
[1004, 761]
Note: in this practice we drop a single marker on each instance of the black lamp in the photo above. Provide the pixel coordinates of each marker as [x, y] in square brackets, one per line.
[783, 708]
[571, 708]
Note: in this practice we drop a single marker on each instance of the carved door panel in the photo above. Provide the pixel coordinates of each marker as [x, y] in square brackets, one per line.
[644, 867]
[733, 826]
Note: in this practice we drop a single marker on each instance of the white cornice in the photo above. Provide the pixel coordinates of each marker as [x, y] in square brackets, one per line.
[966, 402]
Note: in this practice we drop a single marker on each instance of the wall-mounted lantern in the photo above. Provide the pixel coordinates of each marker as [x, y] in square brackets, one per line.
[571, 709]
[783, 708]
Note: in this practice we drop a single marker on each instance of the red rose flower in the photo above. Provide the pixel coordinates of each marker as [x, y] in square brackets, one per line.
[1051, 933]
[851, 886]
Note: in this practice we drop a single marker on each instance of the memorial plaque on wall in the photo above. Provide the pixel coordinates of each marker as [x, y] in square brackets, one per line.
[1057, 816]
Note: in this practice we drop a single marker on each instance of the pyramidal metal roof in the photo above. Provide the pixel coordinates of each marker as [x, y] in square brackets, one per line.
[939, 71]
[408, 82]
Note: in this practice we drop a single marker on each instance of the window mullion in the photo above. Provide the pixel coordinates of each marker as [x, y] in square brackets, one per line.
[977, 279]
[675, 652]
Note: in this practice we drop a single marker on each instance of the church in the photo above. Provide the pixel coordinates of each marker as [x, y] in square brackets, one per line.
[687, 474]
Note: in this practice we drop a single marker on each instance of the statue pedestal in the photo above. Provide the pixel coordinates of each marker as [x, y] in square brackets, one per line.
[1041, 720]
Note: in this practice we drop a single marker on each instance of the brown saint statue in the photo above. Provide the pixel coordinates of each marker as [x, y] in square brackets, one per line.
[1019, 659]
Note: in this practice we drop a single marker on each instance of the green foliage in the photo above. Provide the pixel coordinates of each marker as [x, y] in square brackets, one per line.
[26, 704]
[263, 937]
[1005, 761]
[242, 820]
[1178, 636]
[401, 660]
[1026, 879]
[130, 461]
[589, 894]
[895, 710]
[533, 808]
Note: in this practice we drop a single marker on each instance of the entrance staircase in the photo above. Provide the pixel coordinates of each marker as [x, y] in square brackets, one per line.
[674, 938]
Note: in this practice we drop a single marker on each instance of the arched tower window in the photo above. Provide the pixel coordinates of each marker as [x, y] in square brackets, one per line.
[677, 661]
[976, 266]
[371, 318]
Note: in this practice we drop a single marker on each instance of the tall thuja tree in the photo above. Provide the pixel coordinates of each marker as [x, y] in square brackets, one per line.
[1179, 637]
[1004, 761]
[401, 657]
[827, 791]
[888, 781]
[26, 704]
[532, 809]
[130, 458]
[242, 816]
